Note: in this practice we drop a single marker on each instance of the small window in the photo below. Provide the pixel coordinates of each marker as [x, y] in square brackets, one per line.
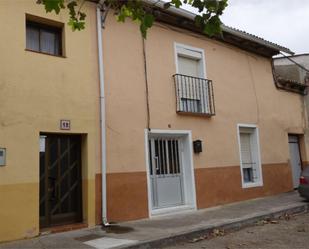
[43, 38]
[250, 156]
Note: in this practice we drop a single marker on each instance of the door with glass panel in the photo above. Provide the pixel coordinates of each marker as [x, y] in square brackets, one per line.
[166, 172]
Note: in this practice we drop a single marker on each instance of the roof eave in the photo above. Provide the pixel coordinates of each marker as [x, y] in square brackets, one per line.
[276, 49]
[191, 16]
[256, 39]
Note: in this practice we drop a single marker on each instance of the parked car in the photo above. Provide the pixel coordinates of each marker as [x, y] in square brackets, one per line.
[303, 188]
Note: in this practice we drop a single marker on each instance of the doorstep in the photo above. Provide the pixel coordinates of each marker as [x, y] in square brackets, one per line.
[63, 228]
[172, 210]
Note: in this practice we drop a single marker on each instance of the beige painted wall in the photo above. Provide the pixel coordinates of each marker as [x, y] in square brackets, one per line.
[36, 91]
[243, 87]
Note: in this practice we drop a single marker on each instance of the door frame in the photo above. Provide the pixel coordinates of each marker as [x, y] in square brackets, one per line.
[188, 173]
[81, 211]
[299, 137]
[299, 151]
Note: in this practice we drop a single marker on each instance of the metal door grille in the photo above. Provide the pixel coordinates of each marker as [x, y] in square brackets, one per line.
[166, 157]
[165, 171]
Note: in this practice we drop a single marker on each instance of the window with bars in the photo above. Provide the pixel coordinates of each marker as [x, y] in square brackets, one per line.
[249, 156]
[248, 163]
[43, 38]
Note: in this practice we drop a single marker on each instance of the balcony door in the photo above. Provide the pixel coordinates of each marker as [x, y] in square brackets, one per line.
[192, 89]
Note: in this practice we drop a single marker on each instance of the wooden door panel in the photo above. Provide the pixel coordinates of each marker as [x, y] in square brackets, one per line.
[60, 181]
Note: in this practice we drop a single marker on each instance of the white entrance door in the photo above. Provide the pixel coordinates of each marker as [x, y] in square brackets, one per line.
[166, 172]
[295, 159]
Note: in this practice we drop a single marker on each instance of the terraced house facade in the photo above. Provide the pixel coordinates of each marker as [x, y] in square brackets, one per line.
[48, 74]
[101, 125]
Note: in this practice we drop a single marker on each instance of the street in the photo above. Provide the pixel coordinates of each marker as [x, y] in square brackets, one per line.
[286, 232]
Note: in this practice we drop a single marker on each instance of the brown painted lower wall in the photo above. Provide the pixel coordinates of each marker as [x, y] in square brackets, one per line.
[127, 196]
[305, 164]
[216, 186]
[98, 198]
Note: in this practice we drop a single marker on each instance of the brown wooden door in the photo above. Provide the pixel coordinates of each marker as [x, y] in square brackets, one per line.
[60, 180]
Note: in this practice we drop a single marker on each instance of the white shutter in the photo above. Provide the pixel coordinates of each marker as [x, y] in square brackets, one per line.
[249, 156]
[246, 152]
[188, 66]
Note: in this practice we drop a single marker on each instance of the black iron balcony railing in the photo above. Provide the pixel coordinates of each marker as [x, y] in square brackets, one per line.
[194, 95]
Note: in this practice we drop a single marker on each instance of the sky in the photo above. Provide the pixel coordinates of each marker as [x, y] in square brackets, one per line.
[285, 22]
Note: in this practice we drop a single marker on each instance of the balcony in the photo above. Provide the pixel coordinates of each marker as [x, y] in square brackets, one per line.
[194, 95]
[292, 85]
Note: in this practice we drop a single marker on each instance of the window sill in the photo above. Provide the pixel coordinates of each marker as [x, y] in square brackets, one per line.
[38, 52]
[252, 184]
[208, 115]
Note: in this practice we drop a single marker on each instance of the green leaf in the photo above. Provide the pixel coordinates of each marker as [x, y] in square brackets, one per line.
[148, 20]
[71, 6]
[212, 5]
[213, 26]
[143, 30]
[208, 20]
[176, 3]
[76, 25]
[82, 16]
[53, 5]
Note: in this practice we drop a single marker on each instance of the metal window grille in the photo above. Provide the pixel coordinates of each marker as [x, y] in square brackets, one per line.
[194, 95]
[165, 153]
[249, 165]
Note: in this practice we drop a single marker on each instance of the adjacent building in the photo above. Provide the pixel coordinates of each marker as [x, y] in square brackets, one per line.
[291, 74]
[190, 121]
[49, 128]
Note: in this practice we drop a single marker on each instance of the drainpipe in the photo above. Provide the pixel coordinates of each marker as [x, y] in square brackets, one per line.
[102, 112]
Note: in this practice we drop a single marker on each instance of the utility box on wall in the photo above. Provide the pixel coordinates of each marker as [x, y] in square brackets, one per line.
[2, 156]
[197, 146]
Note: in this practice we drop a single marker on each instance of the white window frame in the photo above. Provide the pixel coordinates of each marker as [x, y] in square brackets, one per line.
[259, 182]
[190, 52]
[197, 54]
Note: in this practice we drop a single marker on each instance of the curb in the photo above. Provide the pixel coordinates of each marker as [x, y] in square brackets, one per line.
[172, 239]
